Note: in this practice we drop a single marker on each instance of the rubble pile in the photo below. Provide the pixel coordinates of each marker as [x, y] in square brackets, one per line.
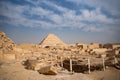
[6, 47]
[6, 44]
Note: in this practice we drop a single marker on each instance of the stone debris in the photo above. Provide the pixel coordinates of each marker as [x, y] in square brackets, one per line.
[34, 64]
[6, 47]
[52, 53]
[48, 70]
[111, 46]
[93, 46]
[6, 44]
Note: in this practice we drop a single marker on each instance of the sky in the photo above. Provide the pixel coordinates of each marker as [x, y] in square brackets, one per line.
[73, 21]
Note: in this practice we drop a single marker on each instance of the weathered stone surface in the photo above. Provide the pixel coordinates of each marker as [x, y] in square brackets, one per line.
[93, 46]
[6, 44]
[9, 56]
[34, 64]
[6, 47]
[114, 46]
[99, 51]
[81, 45]
[49, 70]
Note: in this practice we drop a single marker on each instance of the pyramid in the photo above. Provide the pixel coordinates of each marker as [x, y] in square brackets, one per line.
[51, 40]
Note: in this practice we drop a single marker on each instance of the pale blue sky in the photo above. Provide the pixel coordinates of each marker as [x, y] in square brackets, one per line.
[29, 21]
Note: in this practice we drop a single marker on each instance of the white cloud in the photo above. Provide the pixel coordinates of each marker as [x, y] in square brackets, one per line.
[96, 16]
[111, 5]
[59, 8]
[56, 18]
[35, 2]
[68, 18]
[40, 11]
[91, 28]
[86, 13]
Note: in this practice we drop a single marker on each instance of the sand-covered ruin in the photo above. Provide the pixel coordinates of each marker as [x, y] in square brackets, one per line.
[53, 59]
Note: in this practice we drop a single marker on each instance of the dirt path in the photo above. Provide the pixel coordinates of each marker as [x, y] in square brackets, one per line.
[16, 71]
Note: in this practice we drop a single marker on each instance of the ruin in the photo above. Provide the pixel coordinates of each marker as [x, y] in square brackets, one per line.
[6, 47]
[52, 55]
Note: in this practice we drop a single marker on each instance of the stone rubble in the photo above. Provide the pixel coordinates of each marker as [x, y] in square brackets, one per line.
[52, 52]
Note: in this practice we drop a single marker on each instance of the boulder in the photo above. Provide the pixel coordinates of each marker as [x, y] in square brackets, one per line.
[34, 64]
[48, 70]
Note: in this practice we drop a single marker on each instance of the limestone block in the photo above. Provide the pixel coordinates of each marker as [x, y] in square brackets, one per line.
[34, 64]
[49, 70]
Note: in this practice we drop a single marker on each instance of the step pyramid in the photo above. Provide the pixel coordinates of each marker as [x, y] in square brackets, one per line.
[51, 40]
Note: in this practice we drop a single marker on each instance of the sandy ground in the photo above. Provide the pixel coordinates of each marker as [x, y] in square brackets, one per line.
[108, 74]
[16, 71]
